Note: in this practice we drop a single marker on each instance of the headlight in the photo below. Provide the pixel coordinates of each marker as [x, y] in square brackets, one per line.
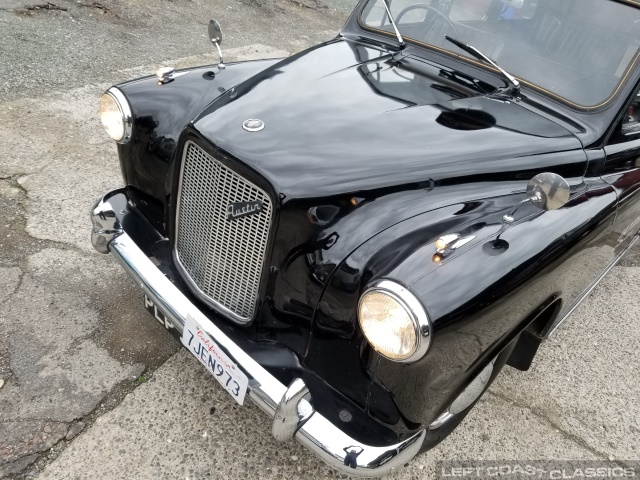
[115, 114]
[394, 322]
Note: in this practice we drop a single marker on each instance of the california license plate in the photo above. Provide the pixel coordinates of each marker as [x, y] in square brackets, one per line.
[227, 373]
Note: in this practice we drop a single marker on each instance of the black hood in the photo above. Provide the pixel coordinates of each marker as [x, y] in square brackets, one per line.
[343, 118]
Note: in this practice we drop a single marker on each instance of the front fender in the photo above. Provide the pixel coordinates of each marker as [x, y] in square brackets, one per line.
[391, 252]
[478, 302]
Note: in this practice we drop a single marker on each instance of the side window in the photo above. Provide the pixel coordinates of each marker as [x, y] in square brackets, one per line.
[623, 149]
[628, 128]
[631, 122]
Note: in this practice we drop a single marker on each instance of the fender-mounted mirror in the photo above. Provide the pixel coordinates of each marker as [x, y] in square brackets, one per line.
[215, 32]
[215, 35]
[549, 191]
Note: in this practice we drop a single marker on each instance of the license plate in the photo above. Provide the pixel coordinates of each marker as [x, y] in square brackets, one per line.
[214, 359]
[198, 342]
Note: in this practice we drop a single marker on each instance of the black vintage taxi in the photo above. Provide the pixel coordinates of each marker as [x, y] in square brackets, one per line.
[360, 236]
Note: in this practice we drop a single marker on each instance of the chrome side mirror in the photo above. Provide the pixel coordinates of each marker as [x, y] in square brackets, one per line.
[215, 35]
[215, 32]
[547, 191]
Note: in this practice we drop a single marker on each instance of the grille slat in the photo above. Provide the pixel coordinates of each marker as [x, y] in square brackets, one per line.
[223, 258]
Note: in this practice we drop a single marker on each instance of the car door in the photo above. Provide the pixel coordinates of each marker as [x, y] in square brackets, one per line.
[618, 166]
[622, 171]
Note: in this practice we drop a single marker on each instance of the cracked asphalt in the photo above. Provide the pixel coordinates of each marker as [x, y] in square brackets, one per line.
[91, 386]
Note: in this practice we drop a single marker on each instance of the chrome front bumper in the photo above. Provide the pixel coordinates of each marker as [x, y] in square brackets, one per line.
[293, 416]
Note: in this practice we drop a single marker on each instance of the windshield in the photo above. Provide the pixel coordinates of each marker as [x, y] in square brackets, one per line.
[578, 50]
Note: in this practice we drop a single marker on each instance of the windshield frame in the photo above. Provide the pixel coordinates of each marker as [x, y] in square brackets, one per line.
[585, 108]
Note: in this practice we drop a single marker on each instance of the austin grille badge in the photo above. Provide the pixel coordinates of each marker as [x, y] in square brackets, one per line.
[242, 209]
[253, 125]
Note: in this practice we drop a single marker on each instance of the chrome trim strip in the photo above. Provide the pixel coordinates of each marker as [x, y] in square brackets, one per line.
[551, 330]
[317, 433]
[125, 109]
[462, 242]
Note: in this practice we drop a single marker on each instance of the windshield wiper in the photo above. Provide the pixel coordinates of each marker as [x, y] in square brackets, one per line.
[393, 24]
[513, 90]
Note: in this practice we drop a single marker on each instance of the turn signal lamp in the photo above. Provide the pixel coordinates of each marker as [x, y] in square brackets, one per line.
[443, 243]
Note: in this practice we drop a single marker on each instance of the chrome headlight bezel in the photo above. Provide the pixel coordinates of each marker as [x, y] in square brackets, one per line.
[125, 111]
[414, 308]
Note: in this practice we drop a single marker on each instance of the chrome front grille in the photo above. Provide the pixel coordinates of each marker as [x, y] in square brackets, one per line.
[223, 259]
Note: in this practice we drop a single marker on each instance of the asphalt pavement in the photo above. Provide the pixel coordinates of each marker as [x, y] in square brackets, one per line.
[91, 386]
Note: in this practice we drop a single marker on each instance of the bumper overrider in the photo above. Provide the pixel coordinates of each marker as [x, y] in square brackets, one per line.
[288, 405]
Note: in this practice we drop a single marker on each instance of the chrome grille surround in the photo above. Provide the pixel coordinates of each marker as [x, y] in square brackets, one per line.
[221, 259]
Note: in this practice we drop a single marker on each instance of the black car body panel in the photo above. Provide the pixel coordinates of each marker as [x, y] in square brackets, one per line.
[369, 156]
[350, 142]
